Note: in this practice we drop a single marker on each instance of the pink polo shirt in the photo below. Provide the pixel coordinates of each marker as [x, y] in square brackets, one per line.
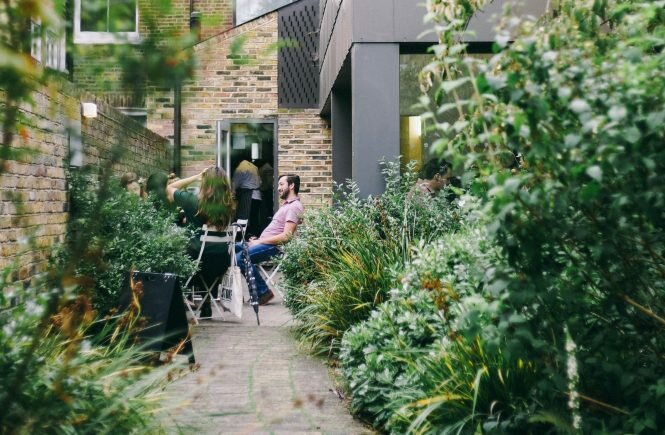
[290, 211]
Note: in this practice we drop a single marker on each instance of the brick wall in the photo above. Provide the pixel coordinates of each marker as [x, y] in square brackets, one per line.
[38, 179]
[143, 151]
[216, 16]
[95, 68]
[173, 21]
[305, 148]
[224, 89]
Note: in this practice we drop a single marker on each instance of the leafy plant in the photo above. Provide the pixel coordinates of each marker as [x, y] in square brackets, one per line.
[345, 258]
[581, 98]
[58, 377]
[444, 298]
[354, 280]
[129, 234]
[461, 387]
[374, 353]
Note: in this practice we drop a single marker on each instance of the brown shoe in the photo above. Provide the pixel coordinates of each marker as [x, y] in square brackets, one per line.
[266, 297]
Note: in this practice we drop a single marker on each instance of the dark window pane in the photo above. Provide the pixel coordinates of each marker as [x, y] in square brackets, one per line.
[93, 16]
[122, 15]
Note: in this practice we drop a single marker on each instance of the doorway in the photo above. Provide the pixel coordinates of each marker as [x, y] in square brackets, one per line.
[246, 151]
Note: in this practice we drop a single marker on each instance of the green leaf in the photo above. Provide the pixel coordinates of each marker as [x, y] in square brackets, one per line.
[450, 85]
[595, 172]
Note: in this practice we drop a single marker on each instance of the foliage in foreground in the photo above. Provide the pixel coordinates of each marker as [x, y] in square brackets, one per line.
[55, 376]
[582, 99]
[58, 378]
[345, 259]
[121, 233]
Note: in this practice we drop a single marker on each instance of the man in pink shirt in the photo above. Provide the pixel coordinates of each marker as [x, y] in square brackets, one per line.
[279, 231]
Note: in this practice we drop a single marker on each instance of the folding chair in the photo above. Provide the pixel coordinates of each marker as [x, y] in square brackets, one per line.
[199, 297]
[269, 276]
[268, 271]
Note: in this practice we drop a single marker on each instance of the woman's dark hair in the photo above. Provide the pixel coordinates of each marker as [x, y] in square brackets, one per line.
[433, 167]
[292, 179]
[216, 204]
[156, 183]
[156, 187]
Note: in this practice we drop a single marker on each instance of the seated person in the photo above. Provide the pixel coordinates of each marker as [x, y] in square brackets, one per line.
[214, 207]
[132, 183]
[434, 176]
[155, 187]
[279, 231]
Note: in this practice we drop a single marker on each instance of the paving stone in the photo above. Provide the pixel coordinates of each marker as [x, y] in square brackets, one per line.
[254, 380]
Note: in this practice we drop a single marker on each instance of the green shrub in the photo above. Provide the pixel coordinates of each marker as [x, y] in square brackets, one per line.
[353, 281]
[57, 377]
[121, 232]
[374, 353]
[346, 258]
[443, 300]
[323, 232]
[582, 99]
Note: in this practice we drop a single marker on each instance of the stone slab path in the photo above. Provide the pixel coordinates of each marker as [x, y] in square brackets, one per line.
[253, 380]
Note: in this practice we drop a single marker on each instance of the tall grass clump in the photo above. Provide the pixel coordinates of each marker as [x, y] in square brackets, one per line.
[57, 376]
[462, 387]
[346, 257]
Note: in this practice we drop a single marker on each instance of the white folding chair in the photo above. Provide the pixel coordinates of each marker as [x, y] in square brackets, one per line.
[268, 271]
[196, 299]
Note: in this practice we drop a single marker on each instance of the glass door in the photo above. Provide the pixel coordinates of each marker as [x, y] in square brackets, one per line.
[246, 149]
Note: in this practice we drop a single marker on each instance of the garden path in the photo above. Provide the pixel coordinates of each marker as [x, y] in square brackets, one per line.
[253, 379]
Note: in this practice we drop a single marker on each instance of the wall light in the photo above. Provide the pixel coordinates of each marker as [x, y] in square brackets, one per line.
[89, 110]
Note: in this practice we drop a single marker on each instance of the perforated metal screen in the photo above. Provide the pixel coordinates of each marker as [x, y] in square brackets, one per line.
[298, 62]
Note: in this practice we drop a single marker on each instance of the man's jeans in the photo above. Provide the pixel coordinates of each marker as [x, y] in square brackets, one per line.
[257, 254]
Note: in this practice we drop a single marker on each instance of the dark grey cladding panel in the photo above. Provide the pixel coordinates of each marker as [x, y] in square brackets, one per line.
[298, 64]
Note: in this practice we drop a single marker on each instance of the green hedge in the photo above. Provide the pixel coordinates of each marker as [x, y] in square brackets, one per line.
[346, 258]
[119, 232]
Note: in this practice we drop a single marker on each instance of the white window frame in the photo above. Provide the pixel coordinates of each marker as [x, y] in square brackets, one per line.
[48, 47]
[104, 37]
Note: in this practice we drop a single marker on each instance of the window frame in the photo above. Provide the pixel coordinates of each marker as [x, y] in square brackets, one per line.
[81, 37]
[48, 47]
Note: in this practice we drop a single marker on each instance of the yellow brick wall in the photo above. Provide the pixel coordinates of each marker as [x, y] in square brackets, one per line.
[33, 195]
[223, 89]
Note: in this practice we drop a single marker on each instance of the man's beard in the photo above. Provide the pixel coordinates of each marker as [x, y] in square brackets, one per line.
[284, 194]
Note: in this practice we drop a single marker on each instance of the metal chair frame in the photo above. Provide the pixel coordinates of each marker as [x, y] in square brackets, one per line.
[270, 276]
[200, 297]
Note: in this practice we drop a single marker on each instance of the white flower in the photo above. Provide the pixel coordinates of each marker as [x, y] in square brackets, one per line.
[579, 105]
[617, 113]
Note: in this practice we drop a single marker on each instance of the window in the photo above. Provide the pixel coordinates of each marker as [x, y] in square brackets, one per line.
[47, 47]
[415, 138]
[106, 21]
[247, 10]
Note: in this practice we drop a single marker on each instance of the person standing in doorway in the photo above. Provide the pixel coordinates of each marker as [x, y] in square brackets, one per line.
[246, 183]
[281, 229]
